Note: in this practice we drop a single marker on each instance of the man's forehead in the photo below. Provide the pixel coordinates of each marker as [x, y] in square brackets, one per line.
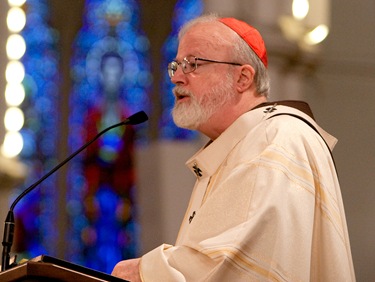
[208, 29]
[199, 40]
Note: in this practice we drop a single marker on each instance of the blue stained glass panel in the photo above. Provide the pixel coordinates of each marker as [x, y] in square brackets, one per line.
[35, 233]
[112, 79]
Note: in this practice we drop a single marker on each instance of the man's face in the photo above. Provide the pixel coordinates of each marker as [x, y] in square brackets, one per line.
[199, 106]
[202, 93]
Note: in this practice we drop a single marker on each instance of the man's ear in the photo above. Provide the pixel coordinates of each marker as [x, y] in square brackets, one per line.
[245, 78]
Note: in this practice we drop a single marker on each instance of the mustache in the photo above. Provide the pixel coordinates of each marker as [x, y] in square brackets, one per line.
[180, 91]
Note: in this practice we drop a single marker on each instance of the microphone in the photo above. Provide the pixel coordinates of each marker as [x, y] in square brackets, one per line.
[134, 119]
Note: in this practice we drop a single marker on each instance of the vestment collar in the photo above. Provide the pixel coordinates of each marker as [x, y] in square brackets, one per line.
[208, 159]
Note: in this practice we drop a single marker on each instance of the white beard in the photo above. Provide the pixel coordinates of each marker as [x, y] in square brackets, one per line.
[195, 112]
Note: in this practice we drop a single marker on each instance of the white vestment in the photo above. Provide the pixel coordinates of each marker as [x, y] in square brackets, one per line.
[266, 206]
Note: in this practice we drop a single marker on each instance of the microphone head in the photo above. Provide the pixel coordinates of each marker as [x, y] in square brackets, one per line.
[137, 118]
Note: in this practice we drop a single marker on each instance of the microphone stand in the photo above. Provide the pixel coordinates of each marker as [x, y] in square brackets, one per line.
[137, 118]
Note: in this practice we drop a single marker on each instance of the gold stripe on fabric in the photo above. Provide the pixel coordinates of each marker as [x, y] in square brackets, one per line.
[307, 178]
[301, 173]
[242, 260]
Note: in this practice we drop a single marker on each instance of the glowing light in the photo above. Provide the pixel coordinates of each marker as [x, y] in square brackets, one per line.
[14, 94]
[15, 72]
[13, 119]
[300, 9]
[13, 144]
[16, 47]
[317, 35]
[16, 19]
[17, 3]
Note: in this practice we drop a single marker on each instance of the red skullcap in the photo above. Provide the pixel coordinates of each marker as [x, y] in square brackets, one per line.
[251, 36]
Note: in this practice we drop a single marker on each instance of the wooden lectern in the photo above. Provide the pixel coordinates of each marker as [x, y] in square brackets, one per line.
[46, 268]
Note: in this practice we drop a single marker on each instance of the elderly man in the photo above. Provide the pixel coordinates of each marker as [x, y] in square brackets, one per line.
[267, 203]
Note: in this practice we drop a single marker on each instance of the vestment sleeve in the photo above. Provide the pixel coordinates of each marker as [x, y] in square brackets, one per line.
[175, 263]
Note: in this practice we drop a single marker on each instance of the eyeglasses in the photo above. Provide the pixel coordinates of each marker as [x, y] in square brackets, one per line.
[189, 64]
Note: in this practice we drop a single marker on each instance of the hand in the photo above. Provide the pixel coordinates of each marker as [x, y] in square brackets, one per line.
[128, 270]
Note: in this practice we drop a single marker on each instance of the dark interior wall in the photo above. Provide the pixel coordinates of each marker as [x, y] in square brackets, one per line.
[156, 18]
[66, 18]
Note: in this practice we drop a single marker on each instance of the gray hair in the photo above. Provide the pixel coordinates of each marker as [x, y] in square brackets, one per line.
[241, 52]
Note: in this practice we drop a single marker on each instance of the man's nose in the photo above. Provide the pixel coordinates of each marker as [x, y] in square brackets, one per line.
[179, 77]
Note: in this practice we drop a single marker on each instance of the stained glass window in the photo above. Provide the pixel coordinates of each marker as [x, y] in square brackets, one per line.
[112, 78]
[34, 233]
[184, 11]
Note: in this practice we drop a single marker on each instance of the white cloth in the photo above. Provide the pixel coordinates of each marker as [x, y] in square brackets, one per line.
[266, 206]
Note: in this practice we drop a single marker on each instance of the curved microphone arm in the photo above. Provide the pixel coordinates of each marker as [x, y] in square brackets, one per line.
[9, 226]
